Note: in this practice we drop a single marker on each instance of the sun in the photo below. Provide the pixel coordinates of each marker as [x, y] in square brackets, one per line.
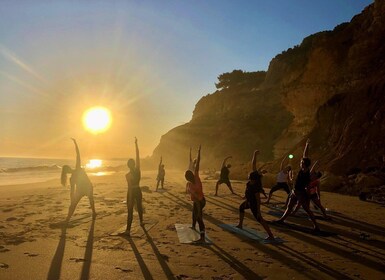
[97, 119]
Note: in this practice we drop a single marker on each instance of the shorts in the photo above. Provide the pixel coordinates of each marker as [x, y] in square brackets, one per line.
[224, 181]
[280, 185]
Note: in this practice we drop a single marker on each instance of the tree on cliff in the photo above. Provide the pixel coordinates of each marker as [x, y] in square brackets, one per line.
[240, 79]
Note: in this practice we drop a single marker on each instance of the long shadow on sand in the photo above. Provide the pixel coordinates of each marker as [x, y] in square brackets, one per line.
[238, 266]
[303, 233]
[145, 271]
[167, 271]
[88, 253]
[284, 259]
[57, 260]
[56, 263]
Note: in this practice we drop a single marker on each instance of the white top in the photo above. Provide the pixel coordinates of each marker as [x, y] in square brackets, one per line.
[282, 177]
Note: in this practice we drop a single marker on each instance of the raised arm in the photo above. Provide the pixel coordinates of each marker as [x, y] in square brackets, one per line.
[137, 154]
[224, 161]
[254, 160]
[198, 160]
[314, 165]
[78, 161]
[282, 162]
[160, 163]
[190, 156]
[306, 149]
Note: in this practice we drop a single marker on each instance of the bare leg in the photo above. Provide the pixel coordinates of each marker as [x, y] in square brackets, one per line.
[71, 210]
[92, 203]
[266, 227]
[202, 228]
[268, 199]
[306, 207]
[289, 209]
[194, 216]
[130, 210]
[230, 187]
[157, 185]
[318, 203]
[242, 208]
[216, 188]
[296, 208]
[140, 206]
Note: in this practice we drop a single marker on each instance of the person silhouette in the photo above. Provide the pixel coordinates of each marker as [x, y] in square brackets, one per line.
[80, 185]
[134, 193]
[253, 199]
[194, 188]
[224, 176]
[161, 174]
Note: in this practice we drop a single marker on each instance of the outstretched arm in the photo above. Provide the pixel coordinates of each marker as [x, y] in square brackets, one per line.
[314, 165]
[224, 161]
[137, 154]
[198, 160]
[254, 160]
[160, 163]
[78, 161]
[282, 162]
[306, 150]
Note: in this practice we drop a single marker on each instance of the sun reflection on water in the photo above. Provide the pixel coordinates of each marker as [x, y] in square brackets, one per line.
[94, 163]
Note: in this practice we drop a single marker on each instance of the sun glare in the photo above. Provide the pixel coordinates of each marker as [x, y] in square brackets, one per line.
[94, 163]
[97, 119]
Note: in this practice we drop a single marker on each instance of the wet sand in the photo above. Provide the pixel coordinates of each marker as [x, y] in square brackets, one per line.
[34, 245]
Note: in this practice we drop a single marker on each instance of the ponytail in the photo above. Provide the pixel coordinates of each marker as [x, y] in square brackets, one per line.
[64, 171]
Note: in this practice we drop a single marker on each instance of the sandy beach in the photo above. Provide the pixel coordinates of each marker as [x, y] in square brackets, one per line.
[34, 245]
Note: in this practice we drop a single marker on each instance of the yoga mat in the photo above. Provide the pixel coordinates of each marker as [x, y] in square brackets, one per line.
[187, 235]
[251, 234]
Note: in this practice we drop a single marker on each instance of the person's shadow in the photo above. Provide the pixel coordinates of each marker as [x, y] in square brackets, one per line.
[57, 260]
[56, 263]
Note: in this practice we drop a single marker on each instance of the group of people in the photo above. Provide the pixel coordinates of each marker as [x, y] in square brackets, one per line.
[306, 189]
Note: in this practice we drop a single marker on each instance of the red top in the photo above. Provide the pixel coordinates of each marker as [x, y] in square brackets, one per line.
[195, 190]
[313, 186]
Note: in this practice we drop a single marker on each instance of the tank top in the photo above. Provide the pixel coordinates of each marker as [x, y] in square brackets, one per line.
[282, 177]
[196, 189]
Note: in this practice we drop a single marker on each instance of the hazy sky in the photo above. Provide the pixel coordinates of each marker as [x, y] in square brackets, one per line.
[149, 62]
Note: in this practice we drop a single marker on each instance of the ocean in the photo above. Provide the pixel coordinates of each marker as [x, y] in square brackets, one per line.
[15, 171]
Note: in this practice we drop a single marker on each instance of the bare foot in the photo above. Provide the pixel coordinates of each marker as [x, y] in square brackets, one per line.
[239, 226]
[199, 241]
[125, 233]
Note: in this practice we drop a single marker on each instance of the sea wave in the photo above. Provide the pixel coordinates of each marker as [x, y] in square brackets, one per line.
[31, 169]
[53, 168]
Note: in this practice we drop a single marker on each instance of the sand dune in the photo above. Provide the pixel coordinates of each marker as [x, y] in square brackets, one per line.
[35, 245]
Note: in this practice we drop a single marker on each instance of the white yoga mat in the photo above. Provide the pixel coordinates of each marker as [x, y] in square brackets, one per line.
[188, 235]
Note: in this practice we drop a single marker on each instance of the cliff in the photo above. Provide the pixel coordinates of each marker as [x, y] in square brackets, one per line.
[330, 88]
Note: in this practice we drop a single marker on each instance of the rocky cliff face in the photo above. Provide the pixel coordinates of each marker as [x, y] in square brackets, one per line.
[330, 88]
[231, 121]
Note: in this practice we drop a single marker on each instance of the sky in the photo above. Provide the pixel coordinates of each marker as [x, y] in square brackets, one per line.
[147, 61]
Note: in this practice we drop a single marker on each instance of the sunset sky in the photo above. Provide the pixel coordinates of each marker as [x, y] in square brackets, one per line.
[148, 62]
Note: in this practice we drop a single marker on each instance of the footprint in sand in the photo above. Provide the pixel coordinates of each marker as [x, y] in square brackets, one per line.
[4, 265]
[3, 249]
[31, 254]
[124, 269]
[77, 259]
[11, 219]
